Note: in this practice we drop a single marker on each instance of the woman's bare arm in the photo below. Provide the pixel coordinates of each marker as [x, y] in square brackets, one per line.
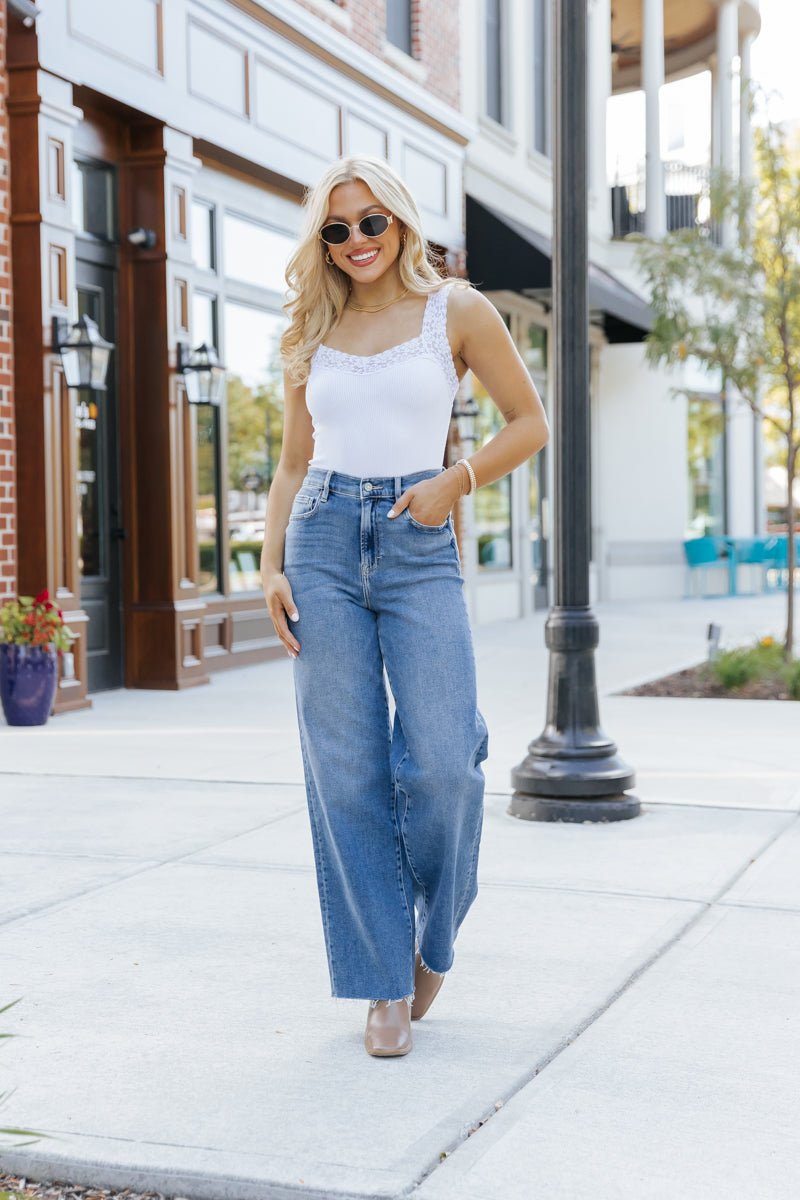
[487, 348]
[296, 450]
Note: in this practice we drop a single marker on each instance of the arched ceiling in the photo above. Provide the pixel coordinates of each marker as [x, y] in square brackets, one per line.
[689, 36]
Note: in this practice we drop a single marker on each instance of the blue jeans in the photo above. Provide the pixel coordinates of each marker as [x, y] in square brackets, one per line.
[396, 808]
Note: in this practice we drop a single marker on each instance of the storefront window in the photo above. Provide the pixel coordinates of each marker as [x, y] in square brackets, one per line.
[203, 250]
[89, 419]
[255, 432]
[492, 502]
[255, 254]
[706, 454]
[93, 207]
[534, 355]
[204, 329]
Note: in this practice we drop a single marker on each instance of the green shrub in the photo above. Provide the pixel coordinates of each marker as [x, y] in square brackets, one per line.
[733, 668]
[791, 674]
[762, 660]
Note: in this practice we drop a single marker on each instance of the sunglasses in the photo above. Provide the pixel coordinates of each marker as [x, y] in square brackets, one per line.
[373, 225]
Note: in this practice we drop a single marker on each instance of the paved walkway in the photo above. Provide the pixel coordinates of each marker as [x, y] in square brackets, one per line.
[621, 1020]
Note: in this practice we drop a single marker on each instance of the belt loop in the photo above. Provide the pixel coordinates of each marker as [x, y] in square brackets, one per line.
[398, 486]
[326, 483]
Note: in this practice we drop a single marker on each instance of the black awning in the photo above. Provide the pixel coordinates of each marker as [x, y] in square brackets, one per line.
[504, 254]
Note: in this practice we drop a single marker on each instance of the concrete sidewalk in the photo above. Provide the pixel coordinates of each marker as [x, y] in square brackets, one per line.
[621, 1020]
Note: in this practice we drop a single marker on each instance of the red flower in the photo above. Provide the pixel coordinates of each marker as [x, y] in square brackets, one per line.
[60, 613]
[43, 596]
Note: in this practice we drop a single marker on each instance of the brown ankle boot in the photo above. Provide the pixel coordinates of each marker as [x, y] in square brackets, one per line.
[426, 987]
[388, 1031]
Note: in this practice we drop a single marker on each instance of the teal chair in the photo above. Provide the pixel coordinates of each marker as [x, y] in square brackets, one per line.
[703, 554]
[753, 551]
[776, 559]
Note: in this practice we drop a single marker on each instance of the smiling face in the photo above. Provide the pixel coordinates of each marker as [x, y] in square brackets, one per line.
[363, 258]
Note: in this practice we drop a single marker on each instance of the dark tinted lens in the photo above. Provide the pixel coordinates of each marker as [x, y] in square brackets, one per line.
[335, 233]
[374, 224]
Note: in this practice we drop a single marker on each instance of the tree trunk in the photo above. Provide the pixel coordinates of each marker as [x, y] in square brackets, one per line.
[788, 648]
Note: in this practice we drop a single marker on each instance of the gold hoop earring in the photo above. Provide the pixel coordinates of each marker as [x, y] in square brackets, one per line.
[328, 258]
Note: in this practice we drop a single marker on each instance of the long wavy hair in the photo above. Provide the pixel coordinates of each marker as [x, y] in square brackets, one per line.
[317, 291]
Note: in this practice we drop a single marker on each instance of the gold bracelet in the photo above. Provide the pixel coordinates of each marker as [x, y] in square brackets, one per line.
[460, 479]
[473, 481]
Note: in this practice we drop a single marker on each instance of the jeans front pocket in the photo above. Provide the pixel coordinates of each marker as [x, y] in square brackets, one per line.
[304, 505]
[428, 528]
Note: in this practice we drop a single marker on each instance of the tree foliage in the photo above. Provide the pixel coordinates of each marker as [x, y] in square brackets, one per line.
[727, 296]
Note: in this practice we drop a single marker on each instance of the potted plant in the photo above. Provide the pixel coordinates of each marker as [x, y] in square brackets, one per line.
[33, 637]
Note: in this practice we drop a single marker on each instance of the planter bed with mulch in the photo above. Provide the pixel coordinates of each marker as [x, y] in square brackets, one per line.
[697, 683]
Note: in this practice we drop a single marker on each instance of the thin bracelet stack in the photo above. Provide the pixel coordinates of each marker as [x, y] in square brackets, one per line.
[473, 483]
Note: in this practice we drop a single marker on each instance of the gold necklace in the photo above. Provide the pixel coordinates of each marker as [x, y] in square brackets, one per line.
[376, 307]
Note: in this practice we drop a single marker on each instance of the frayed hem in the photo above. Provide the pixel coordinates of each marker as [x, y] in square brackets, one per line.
[428, 970]
[408, 999]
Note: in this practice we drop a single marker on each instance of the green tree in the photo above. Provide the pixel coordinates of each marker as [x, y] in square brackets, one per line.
[734, 307]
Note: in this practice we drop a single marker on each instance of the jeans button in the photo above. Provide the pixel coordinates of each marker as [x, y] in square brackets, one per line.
[367, 487]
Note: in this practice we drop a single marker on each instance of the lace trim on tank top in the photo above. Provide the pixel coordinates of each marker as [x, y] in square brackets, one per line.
[433, 338]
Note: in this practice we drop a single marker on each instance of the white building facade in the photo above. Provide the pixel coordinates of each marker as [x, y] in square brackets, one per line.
[662, 468]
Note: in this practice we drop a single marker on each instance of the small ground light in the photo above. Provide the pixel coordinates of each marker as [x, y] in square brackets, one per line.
[714, 634]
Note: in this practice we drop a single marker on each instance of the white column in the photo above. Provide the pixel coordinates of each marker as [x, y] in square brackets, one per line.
[727, 43]
[652, 82]
[599, 50]
[745, 123]
[712, 66]
[746, 173]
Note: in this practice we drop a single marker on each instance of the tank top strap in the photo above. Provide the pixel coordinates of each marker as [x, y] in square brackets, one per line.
[435, 329]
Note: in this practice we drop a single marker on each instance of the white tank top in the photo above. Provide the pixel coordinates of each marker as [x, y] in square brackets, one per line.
[385, 413]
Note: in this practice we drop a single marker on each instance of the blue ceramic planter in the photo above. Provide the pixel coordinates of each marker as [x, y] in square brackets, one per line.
[28, 681]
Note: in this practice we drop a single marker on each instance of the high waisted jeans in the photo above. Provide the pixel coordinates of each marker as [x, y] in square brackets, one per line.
[396, 807]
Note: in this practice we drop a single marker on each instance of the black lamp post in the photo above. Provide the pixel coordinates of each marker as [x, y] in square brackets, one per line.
[203, 374]
[571, 771]
[84, 353]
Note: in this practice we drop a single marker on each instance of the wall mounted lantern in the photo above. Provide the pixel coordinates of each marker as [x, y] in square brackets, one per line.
[203, 374]
[84, 353]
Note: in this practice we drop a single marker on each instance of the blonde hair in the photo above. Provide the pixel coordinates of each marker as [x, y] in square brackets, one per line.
[318, 291]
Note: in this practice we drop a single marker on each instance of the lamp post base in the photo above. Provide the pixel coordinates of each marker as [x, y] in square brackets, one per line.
[572, 771]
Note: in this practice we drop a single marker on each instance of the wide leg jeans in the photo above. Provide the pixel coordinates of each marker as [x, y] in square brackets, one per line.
[395, 806]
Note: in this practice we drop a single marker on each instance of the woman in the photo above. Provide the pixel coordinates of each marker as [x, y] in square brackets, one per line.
[360, 555]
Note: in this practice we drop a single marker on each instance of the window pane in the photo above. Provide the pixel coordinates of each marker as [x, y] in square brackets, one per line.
[494, 99]
[90, 420]
[207, 497]
[93, 200]
[534, 351]
[492, 502]
[398, 24]
[203, 235]
[255, 254]
[255, 432]
[541, 80]
[204, 329]
[706, 448]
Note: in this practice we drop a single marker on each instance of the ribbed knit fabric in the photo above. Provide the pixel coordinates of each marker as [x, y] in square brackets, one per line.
[386, 413]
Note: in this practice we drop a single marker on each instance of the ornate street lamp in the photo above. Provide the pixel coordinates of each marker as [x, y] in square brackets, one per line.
[84, 353]
[572, 771]
[203, 374]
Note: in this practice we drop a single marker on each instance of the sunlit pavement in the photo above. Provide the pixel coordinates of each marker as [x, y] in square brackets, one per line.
[620, 1020]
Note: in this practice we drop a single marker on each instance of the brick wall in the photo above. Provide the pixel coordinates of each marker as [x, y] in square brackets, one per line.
[434, 38]
[8, 516]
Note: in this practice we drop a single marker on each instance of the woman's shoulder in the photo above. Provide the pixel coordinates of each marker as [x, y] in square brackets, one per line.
[463, 298]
